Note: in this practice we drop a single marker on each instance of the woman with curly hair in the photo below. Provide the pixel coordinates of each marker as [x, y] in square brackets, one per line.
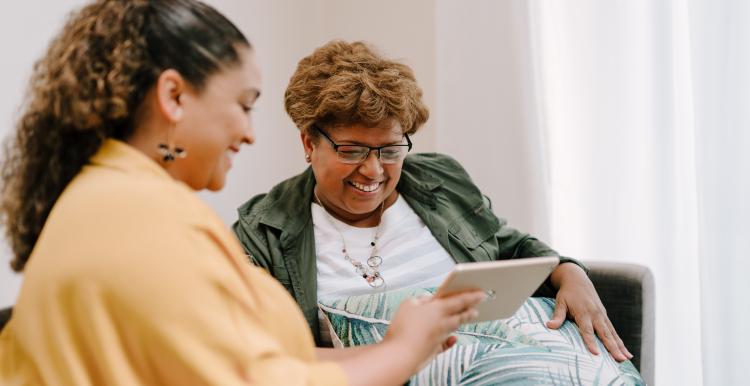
[129, 278]
[366, 224]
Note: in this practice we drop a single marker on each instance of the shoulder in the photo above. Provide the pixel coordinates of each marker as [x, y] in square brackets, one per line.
[116, 229]
[265, 217]
[140, 216]
[131, 197]
[441, 166]
[435, 161]
[438, 169]
[284, 199]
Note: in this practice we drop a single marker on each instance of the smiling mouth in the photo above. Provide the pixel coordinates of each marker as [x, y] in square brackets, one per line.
[363, 187]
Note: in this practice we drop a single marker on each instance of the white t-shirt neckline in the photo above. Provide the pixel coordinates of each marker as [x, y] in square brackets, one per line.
[412, 257]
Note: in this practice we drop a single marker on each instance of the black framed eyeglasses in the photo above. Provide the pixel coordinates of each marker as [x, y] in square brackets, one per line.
[354, 154]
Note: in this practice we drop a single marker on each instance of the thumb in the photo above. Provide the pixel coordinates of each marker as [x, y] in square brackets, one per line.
[558, 317]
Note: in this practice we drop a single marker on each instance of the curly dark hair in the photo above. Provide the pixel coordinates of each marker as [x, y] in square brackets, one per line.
[345, 83]
[89, 86]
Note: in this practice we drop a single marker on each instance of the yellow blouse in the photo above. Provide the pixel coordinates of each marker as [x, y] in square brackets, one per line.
[134, 281]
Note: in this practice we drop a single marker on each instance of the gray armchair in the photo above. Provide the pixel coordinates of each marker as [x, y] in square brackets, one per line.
[627, 291]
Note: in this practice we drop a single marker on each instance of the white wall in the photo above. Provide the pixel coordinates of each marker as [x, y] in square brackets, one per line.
[485, 114]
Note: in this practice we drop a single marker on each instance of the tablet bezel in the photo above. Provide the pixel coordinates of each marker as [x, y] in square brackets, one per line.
[508, 283]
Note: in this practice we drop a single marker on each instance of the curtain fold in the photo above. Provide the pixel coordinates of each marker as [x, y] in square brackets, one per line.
[616, 94]
[720, 33]
[634, 125]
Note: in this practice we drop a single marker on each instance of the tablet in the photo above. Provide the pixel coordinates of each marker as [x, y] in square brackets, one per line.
[508, 283]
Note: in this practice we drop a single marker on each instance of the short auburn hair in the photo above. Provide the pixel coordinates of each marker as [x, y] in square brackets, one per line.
[345, 83]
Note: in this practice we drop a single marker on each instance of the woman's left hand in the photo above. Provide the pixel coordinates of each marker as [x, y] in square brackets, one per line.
[577, 300]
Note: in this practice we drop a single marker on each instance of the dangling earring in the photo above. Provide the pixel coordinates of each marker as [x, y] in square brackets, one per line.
[171, 153]
[307, 158]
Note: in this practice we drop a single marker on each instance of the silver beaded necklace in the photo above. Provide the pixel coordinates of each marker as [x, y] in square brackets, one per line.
[371, 271]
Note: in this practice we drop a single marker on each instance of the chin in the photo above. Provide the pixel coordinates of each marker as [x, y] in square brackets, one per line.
[215, 186]
[212, 184]
[363, 209]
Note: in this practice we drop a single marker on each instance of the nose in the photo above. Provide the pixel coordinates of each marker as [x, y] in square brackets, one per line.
[248, 135]
[371, 166]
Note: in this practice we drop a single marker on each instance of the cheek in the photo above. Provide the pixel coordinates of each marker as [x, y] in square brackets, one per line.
[335, 175]
[222, 131]
[394, 174]
[240, 120]
[331, 175]
[222, 122]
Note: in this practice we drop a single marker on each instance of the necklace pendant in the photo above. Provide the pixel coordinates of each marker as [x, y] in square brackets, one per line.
[375, 281]
[374, 261]
[371, 271]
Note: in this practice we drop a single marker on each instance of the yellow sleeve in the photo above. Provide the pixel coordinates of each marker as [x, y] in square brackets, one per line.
[192, 314]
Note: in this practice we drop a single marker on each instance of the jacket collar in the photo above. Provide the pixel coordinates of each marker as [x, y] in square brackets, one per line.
[287, 206]
[121, 156]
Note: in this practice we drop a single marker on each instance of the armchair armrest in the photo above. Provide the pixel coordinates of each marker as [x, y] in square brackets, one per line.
[627, 292]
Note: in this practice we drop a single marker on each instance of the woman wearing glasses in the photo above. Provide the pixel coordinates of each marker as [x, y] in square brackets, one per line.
[367, 218]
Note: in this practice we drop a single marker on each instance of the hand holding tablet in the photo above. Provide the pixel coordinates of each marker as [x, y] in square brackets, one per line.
[508, 283]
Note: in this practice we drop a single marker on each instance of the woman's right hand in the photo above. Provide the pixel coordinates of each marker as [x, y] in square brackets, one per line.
[420, 330]
[423, 326]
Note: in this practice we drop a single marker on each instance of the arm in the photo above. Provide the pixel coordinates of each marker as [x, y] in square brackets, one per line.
[515, 244]
[202, 319]
[338, 354]
[575, 295]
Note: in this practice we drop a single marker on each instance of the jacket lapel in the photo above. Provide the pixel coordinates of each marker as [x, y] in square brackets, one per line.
[422, 191]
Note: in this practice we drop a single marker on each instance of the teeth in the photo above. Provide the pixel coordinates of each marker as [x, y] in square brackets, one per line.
[366, 188]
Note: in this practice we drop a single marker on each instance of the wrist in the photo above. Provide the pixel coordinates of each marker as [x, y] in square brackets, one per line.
[409, 356]
[566, 272]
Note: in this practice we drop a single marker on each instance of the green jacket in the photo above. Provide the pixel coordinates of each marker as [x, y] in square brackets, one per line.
[276, 228]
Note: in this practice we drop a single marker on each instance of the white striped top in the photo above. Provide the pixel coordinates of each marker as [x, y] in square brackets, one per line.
[412, 257]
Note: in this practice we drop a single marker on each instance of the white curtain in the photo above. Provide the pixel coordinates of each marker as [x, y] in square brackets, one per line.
[632, 118]
[721, 71]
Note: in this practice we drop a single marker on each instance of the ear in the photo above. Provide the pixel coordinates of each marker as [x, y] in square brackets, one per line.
[169, 86]
[308, 142]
